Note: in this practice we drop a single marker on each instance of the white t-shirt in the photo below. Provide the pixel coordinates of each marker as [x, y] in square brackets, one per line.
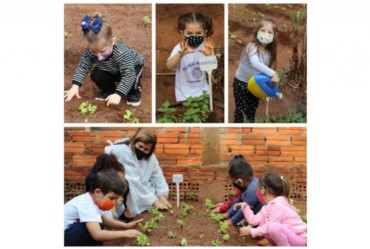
[81, 207]
[190, 80]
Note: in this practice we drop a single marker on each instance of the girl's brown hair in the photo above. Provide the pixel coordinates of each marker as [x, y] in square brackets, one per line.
[271, 47]
[275, 184]
[104, 33]
[146, 137]
[205, 21]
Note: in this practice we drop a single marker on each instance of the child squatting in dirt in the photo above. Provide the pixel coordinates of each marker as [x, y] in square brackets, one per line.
[114, 62]
[196, 31]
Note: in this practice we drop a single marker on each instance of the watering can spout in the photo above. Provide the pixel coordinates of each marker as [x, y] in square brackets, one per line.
[260, 85]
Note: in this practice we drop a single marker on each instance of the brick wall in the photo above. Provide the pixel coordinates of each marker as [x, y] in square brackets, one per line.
[200, 154]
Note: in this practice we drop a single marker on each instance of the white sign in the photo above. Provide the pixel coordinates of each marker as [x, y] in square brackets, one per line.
[208, 63]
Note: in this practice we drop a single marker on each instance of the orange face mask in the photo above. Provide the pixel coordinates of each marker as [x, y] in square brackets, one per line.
[105, 205]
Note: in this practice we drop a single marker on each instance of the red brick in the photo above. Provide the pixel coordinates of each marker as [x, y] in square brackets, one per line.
[245, 150]
[290, 130]
[300, 161]
[168, 138]
[202, 174]
[262, 150]
[228, 139]
[189, 160]
[74, 147]
[177, 129]
[253, 139]
[97, 148]
[234, 130]
[84, 136]
[278, 140]
[103, 136]
[166, 159]
[158, 149]
[264, 131]
[257, 160]
[84, 161]
[176, 149]
[281, 161]
[294, 151]
[247, 130]
[300, 141]
[195, 129]
[196, 149]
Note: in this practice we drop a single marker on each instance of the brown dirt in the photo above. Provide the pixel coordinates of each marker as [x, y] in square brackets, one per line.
[200, 230]
[166, 39]
[241, 23]
[129, 27]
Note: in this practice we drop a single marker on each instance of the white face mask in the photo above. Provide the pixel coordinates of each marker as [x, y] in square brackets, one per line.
[265, 38]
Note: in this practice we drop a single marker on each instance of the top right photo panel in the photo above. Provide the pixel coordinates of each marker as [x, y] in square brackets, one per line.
[267, 63]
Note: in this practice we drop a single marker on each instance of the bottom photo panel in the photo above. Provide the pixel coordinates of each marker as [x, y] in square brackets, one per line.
[185, 186]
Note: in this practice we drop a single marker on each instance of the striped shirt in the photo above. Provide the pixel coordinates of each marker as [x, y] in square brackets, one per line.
[122, 61]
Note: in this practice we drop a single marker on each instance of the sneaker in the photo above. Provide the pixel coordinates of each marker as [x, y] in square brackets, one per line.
[134, 98]
[103, 95]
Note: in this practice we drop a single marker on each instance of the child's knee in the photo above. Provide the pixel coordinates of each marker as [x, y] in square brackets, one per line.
[274, 228]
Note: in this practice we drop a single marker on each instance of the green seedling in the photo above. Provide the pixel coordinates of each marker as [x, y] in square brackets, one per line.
[191, 196]
[217, 217]
[185, 209]
[157, 215]
[260, 14]
[226, 237]
[167, 111]
[216, 242]
[209, 204]
[146, 20]
[223, 227]
[181, 223]
[129, 117]
[142, 240]
[171, 234]
[86, 107]
[148, 226]
[184, 242]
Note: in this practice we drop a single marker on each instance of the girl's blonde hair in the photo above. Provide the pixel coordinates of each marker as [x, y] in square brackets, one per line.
[105, 32]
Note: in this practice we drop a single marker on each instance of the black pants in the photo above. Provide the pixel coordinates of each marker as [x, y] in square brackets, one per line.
[107, 81]
[78, 235]
[245, 102]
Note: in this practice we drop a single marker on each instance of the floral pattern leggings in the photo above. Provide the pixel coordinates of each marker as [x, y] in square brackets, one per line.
[245, 103]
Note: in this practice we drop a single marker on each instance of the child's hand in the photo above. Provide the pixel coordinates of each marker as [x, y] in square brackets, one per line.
[113, 99]
[216, 209]
[164, 201]
[132, 233]
[68, 95]
[275, 79]
[159, 205]
[244, 231]
[184, 49]
[133, 223]
[208, 46]
[240, 205]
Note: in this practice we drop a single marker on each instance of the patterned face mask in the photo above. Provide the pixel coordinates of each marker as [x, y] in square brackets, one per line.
[265, 38]
[194, 40]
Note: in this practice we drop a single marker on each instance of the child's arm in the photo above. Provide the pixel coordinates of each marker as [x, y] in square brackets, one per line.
[251, 218]
[115, 224]
[174, 60]
[106, 235]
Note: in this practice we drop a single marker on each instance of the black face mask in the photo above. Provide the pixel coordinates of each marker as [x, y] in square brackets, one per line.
[139, 153]
[194, 40]
[240, 187]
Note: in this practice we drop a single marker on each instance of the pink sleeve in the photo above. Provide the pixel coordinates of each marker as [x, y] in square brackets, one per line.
[251, 218]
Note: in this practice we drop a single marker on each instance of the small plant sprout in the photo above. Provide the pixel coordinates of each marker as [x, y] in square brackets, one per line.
[217, 217]
[86, 107]
[167, 111]
[191, 196]
[181, 223]
[171, 234]
[216, 242]
[223, 227]
[184, 242]
[142, 240]
[129, 117]
[226, 237]
[146, 20]
[157, 215]
[209, 204]
[148, 226]
[185, 209]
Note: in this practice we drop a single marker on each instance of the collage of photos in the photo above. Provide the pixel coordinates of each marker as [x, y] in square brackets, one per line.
[206, 147]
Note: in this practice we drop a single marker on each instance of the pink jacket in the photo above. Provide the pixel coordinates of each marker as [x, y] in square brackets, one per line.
[277, 210]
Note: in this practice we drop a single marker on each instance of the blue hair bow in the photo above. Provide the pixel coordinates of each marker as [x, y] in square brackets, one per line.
[95, 25]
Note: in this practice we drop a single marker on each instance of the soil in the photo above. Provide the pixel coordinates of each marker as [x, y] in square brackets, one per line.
[242, 20]
[167, 37]
[128, 26]
[199, 230]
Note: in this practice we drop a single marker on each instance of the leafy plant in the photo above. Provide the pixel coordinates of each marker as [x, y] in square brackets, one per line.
[185, 209]
[146, 20]
[216, 242]
[226, 237]
[292, 117]
[197, 109]
[236, 39]
[209, 204]
[191, 196]
[142, 240]
[296, 19]
[282, 74]
[223, 227]
[148, 226]
[181, 223]
[168, 111]
[260, 14]
[217, 217]
[184, 242]
[157, 214]
[86, 107]
[129, 117]
[171, 234]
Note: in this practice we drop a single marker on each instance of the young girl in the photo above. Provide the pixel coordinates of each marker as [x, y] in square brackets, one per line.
[83, 215]
[278, 221]
[259, 56]
[196, 31]
[148, 187]
[241, 174]
[115, 62]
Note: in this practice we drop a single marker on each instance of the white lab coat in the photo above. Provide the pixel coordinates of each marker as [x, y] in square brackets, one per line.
[145, 177]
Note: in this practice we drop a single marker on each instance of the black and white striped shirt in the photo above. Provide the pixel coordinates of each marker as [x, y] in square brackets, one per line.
[122, 61]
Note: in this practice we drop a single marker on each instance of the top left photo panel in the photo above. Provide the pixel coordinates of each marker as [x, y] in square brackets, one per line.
[107, 63]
